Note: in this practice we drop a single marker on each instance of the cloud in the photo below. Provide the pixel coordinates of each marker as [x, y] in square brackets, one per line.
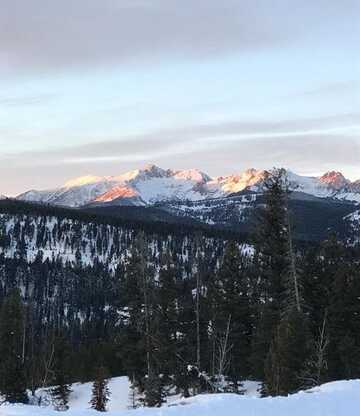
[184, 139]
[26, 100]
[55, 34]
[37, 37]
[303, 154]
[332, 90]
[317, 144]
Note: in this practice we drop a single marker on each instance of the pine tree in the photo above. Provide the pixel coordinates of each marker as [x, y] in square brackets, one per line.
[271, 239]
[271, 265]
[340, 290]
[61, 391]
[282, 331]
[230, 298]
[286, 360]
[142, 356]
[134, 395]
[100, 390]
[164, 323]
[60, 394]
[154, 392]
[12, 372]
[131, 339]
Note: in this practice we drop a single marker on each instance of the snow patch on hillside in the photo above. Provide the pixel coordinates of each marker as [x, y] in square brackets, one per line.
[70, 240]
[354, 217]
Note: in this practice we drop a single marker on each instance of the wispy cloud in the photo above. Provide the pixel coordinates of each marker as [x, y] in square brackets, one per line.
[303, 145]
[185, 139]
[26, 100]
[55, 34]
[333, 89]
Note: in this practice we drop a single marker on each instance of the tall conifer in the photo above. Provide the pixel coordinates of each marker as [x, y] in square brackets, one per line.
[12, 374]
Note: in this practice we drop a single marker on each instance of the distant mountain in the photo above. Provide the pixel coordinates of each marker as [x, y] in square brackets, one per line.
[139, 187]
[190, 196]
[331, 185]
[152, 185]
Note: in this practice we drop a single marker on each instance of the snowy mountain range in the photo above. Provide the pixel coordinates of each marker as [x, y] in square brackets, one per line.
[152, 185]
[319, 204]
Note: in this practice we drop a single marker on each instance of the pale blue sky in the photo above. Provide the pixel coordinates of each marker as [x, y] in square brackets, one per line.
[102, 87]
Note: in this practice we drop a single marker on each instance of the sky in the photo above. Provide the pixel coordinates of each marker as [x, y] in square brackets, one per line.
[102, 87]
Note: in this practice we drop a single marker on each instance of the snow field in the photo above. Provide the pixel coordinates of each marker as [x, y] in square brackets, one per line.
[340, 398]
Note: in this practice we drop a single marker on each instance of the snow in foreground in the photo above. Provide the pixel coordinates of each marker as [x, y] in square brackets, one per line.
[339, 398]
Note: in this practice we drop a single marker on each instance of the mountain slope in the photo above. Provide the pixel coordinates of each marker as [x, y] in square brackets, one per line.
[34, 232]
[331, 185]
[138, 187]
[353, 222]
[313, 217]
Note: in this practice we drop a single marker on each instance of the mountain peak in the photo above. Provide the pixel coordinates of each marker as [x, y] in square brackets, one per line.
[254, 174]
[334, 179]
[237, 183]
[153, 168]
[153, 171]
[195, 175]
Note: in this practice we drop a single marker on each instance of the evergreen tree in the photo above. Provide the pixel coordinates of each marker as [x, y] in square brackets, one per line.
[271, 265]
[60, 394]
[100, 390]
[134, 396]
[130, 339]
[271, 239]
[340, 289]
[164, 323]
[154, 392]
[285, 363]
[61, 391]
[12, 372]
[282, 328]
[231, 313]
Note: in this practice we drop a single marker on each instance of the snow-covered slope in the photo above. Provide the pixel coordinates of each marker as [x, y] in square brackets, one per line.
[152, 185]
[81, 394]
[354, 217]
[353, 220]
[340, 398]
[73, 195]
[119, 400]
[139, 187]
[220, 211]
[71, 241]
[330, 185]
[250, 179]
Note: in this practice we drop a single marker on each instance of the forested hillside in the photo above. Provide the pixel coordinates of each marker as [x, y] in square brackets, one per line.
[182, 307]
